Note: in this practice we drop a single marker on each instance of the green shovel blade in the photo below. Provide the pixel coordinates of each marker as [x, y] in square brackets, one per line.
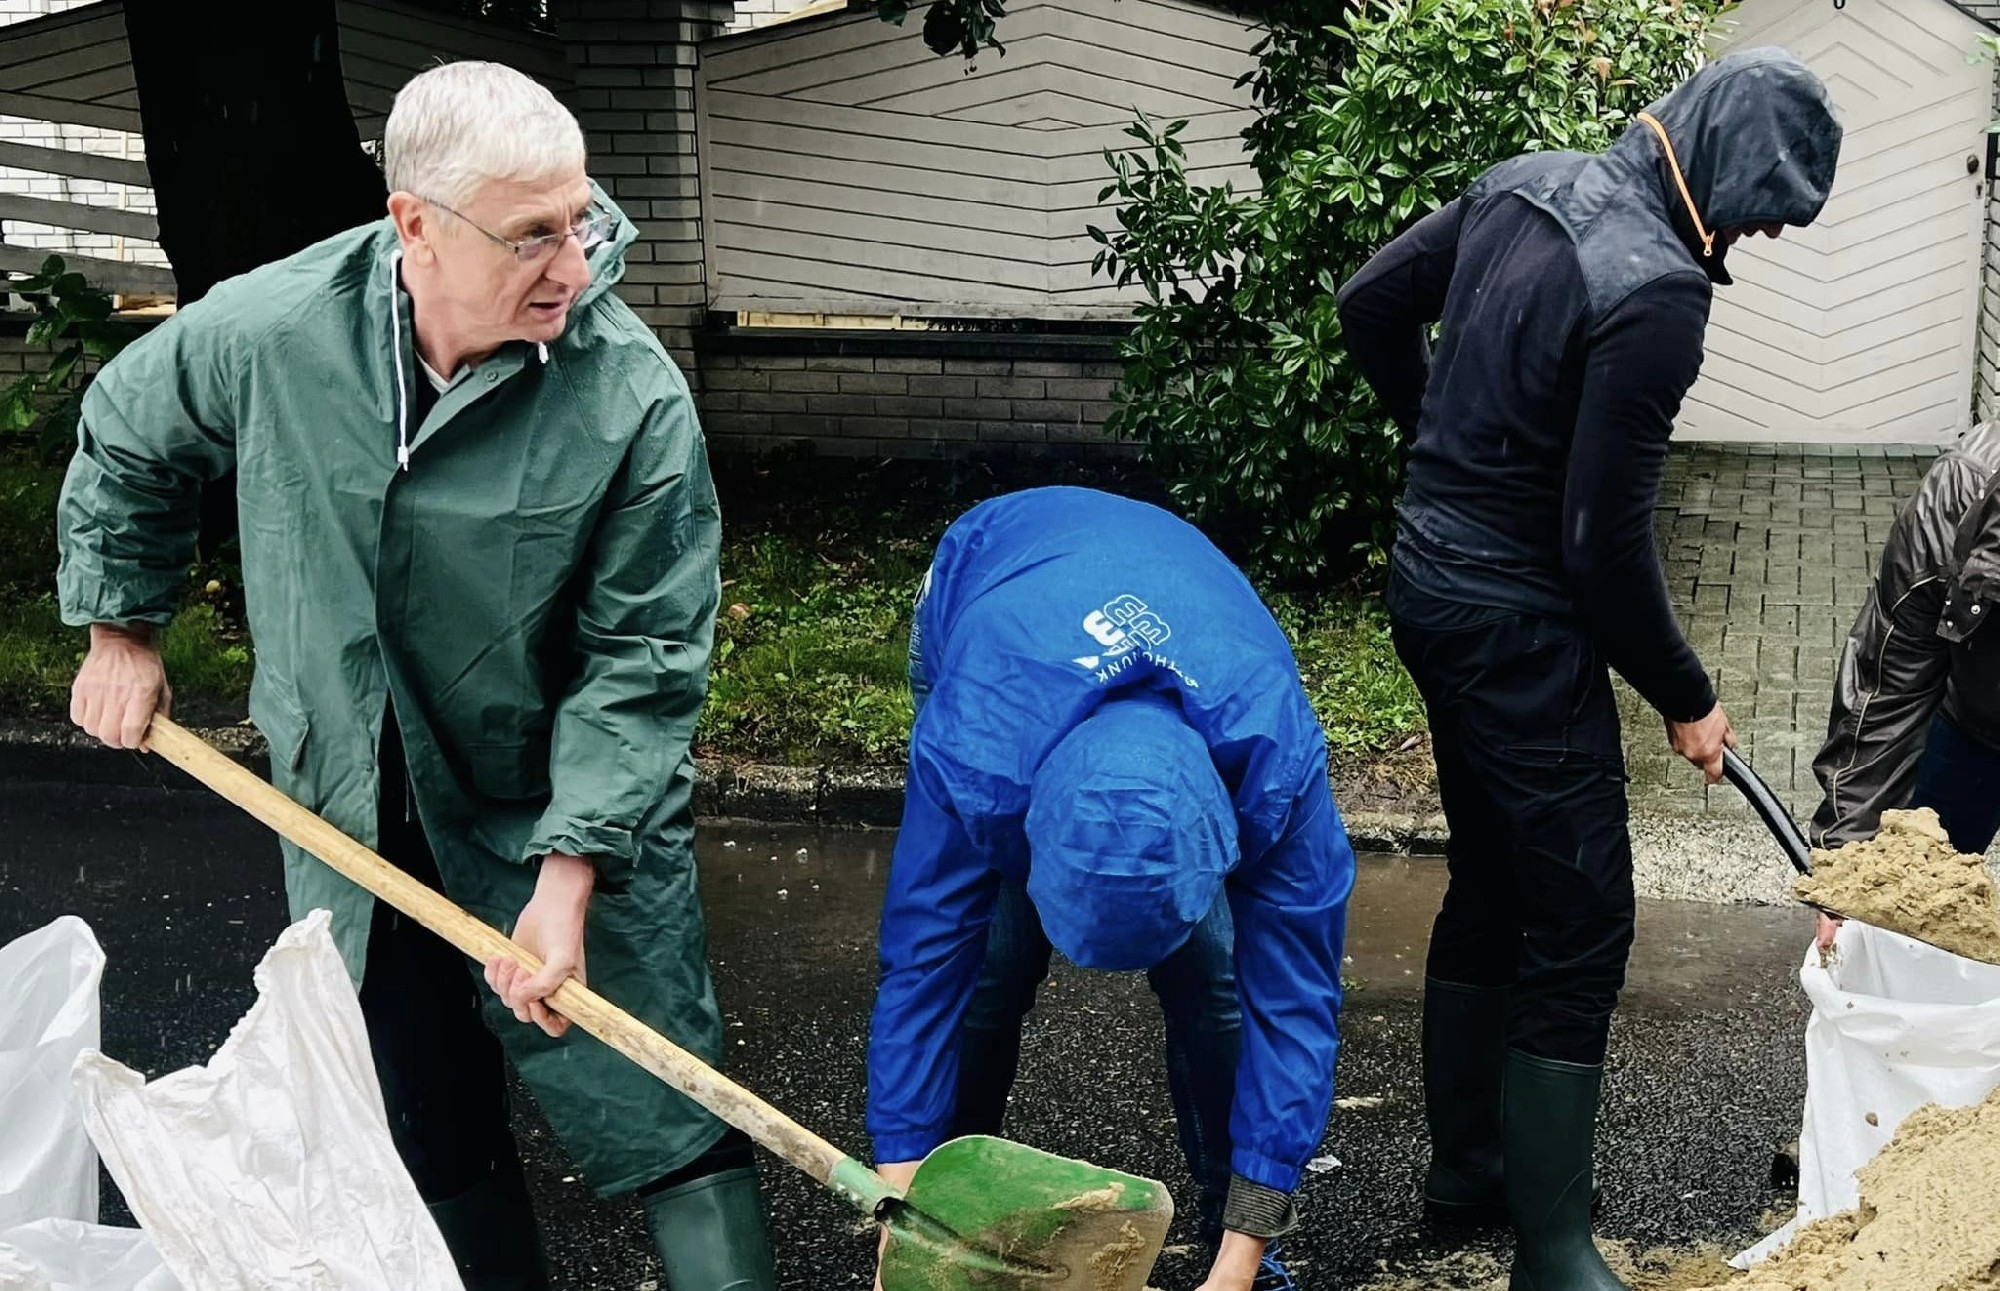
[989, 1214]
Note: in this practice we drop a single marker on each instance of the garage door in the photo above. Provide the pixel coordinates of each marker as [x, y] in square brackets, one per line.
[1862, 328]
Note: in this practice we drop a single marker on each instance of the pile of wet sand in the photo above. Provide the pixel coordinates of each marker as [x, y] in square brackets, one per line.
[1928, 1220]
[1909, 879]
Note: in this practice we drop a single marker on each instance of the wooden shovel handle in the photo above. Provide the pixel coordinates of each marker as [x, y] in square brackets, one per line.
[575, 1001]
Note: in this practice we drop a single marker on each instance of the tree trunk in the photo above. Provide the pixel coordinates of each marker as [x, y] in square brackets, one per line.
[251, 146]
[254, 155]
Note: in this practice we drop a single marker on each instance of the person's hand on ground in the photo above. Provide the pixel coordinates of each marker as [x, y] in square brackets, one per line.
[551, 929]
[1702, 741]
[121, 685]
[1828, 928]
[899, 1173]
[1236, 1262]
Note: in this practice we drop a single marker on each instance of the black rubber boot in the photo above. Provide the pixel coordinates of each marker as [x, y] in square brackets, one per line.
[1549, 1130]
[1465, 1052]
[490, 1231]
[710, 1234]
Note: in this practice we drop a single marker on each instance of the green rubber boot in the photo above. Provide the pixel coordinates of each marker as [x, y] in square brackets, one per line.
[1549, 1132]
[490, 1231]
[710, 1234]
[1465, 1051]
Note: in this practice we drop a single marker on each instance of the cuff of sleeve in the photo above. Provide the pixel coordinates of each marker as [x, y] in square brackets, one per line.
[154, 607]
[1257, 1211]
[1687, 704]
[609, 847]
[908, 1145]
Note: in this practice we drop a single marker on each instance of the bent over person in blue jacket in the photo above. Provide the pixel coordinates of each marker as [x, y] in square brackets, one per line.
[1113, 757]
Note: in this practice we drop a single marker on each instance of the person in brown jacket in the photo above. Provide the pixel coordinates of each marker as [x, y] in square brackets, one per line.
[1916, 703]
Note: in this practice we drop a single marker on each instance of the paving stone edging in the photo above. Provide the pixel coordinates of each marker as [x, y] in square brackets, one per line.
[1676, 855]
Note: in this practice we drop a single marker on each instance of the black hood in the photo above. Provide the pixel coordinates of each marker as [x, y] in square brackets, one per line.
[1757, 141]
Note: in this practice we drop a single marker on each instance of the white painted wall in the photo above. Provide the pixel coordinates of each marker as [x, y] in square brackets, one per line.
[848, 170]
[1861, 329]
[90, 139]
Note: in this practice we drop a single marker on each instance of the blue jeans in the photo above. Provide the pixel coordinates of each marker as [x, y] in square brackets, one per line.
[1959, 778]
[1196, 986]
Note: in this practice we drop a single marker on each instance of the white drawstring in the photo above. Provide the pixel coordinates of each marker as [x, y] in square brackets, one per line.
[396, 348]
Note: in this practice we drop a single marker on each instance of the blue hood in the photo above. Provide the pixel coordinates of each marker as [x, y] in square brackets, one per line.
[1130, 833]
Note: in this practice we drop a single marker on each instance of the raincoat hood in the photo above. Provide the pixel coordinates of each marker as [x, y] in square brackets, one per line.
[1130, 834]
[1757, 142]
[607, 258]
[607, 266]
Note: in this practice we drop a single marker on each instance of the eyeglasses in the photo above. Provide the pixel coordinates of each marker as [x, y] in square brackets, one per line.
[594, 228]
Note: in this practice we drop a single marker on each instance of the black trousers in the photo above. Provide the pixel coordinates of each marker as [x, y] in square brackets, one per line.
[443, 1074]
[1525, 730]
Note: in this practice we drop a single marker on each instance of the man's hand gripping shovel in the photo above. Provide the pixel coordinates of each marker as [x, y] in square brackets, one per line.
[1779, 821]
[980, 1213]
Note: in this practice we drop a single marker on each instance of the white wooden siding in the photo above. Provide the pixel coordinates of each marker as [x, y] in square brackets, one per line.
[62, 180]
[383, 45]
[71, 67]
[76, 66]
[848, 169]
[67, 92]
[1862, 328]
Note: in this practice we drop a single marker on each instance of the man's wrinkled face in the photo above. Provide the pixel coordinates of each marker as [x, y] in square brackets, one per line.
[495, 294]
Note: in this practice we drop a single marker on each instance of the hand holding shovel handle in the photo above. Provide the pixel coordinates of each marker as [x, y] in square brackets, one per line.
[981, 1212]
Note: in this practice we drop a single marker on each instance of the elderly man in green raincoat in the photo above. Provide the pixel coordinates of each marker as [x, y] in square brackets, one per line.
[479, 546]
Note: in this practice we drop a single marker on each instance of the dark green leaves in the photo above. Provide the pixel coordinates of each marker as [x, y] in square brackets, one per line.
[1373, 113]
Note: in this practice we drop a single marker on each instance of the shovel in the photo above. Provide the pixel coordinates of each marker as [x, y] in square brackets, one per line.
[1780, 823]
[1773, 813]
[981, 1213]
[1776, 818]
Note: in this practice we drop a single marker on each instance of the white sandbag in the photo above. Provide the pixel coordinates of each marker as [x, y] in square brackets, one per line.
[65, 1255]
[271, 1169]
[1895, 1024]
[48, 1016]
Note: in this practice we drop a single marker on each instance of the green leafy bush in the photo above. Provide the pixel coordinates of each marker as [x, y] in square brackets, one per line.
[73, 320]
[1374, 113]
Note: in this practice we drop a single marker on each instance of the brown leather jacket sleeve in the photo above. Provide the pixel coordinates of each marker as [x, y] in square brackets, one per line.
[1895, 666]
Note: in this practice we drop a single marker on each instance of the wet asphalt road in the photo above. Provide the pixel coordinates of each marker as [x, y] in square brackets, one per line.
[1707, 1067]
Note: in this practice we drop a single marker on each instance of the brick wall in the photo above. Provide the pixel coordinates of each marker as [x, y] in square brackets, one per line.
[17, 356]
[635, 65]
[908, 395]
[761, 13]
[87, 139]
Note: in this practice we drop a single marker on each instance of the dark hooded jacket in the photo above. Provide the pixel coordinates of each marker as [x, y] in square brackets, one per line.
[1573, 292]
[1917, 645]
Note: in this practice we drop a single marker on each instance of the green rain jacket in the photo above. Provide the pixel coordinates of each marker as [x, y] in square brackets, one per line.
[536, 592]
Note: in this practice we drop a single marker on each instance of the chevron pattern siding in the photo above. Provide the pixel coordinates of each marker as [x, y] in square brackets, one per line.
[75, 67]
[850, 170]
[1862, 328]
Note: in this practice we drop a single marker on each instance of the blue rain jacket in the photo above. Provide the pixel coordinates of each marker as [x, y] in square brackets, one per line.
[1038, 606]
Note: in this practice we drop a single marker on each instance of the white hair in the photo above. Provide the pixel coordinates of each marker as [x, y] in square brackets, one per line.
[458, 125]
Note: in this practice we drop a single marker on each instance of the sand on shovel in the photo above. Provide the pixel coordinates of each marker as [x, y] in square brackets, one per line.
[1928, 1219]
[1909, 879]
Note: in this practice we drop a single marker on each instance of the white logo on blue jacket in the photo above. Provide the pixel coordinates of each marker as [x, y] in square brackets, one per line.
[1123, 626]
